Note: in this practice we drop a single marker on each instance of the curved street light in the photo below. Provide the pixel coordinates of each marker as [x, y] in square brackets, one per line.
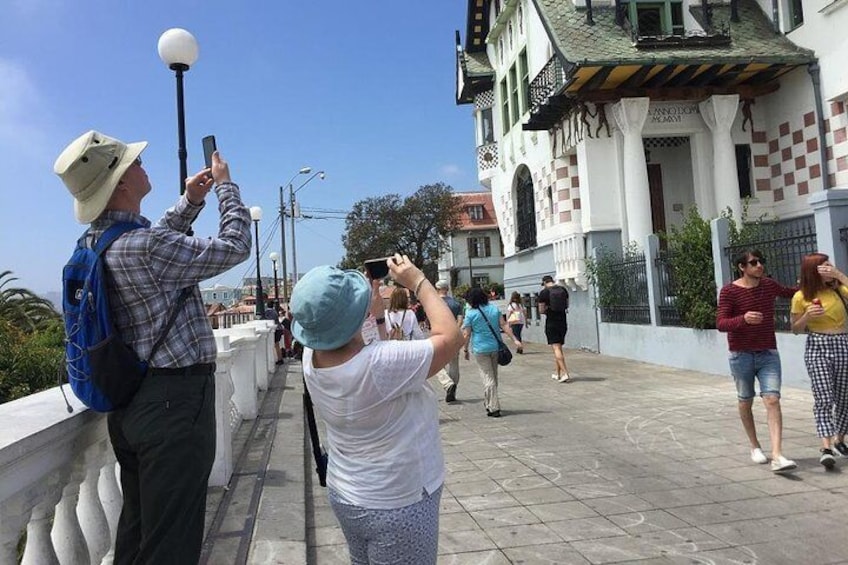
[256, 215]
[295, 213]
[283, 214]
[178, 49]
[274, 257]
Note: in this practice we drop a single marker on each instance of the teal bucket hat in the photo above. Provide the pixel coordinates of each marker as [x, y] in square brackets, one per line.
[328, 306]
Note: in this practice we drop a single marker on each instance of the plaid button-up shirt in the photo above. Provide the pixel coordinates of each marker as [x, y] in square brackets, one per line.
[149, 267]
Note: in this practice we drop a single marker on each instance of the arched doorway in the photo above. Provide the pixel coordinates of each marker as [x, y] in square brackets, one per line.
[525, 210]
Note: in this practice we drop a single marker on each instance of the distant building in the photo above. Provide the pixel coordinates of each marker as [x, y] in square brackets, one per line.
[226, 295]
[476, 251]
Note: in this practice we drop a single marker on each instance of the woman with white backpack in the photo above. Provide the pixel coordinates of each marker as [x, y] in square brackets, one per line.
[401, 323]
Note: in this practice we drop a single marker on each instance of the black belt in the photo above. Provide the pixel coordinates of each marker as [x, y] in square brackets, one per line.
[196, 369]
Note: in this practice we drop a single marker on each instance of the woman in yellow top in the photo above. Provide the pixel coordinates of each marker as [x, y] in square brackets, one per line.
[819, 308]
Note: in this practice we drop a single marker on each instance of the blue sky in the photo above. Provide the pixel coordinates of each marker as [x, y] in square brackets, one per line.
[361, 90]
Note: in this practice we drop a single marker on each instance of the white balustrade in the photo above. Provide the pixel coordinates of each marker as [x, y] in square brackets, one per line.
[58, 478]
[222, 468]
[272, 355]
[570, 260]
[243, 342]
[266, 365]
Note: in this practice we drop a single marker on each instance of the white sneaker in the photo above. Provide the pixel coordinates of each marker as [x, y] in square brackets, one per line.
[757, 456]
[782, 464]
[554, 376]
[563, 378]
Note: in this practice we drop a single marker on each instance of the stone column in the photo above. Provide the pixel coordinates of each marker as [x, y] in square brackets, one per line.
[830, 209]
[719, 112]
[630, 114]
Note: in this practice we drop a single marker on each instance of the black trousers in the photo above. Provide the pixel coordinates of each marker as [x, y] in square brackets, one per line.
[165, 442]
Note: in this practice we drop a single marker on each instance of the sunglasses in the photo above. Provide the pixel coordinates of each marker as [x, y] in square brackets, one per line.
[756, 262]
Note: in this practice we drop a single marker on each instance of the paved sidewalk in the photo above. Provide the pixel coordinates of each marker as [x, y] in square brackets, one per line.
[628, 463]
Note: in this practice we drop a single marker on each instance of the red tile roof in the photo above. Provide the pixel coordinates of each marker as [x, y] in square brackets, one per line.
[469, 199]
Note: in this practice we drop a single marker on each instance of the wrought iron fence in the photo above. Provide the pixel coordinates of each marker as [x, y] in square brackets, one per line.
[548, 81]
[782, 244]
[625, 291]
[669, 315]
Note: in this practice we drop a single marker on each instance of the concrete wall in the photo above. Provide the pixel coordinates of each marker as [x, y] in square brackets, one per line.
[698, 350]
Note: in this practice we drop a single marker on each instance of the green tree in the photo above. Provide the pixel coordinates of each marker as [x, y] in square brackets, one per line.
[22, 307]
[31, 341]
[416, 226]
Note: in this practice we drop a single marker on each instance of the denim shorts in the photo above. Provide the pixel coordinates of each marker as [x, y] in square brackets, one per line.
[764, 366]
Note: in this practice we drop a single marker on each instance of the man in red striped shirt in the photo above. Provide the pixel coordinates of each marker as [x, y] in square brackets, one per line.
[746, 314]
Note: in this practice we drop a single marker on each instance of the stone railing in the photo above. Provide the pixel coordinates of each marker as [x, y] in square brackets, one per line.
[570, 260]
[58, 474]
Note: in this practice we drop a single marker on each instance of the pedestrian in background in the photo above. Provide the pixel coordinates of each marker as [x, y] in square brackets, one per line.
[515, 317]
[401, 322]
[449, 379]
[386, 468]
[272, 315]
[819, 308]
[553, 303]
[164, 439]
[481, 327]
[746, 314]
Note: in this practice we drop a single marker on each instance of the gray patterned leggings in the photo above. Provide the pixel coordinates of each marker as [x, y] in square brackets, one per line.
[407, 535]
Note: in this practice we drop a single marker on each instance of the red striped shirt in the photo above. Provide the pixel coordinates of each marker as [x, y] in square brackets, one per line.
[734, 301]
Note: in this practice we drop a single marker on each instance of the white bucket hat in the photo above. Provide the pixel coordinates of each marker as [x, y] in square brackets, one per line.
[91, 167]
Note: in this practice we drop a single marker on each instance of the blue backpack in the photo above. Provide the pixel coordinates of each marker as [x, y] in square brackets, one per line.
[103, 371]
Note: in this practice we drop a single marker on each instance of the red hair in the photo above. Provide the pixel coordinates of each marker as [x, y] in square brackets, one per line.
[811, 281]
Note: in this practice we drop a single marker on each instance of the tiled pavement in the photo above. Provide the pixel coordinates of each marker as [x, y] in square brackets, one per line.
[628, 463]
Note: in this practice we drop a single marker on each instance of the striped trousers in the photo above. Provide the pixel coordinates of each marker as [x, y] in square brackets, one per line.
[826, 357]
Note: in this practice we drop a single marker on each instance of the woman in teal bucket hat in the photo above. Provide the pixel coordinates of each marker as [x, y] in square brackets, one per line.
[386, 467]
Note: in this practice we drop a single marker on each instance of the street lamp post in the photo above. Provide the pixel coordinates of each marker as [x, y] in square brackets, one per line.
[283, 213]
[178, 49]
[256, 215]
[294, 215]
[274, 256]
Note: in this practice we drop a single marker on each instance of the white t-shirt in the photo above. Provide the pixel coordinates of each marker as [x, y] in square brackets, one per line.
[407, 321]
[382, 423]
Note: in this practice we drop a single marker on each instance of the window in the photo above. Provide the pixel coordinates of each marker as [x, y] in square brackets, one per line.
[501, 50]
[525, 211]
[480, 280]
[226, 295]
[475, 212]
[510, 34]
[513, 101]
[525, 81]
[656, 18]
[505, 107]
[743, 170]
[214, 296]
[497, 4]
[479, 247]
[796, 13]
[488, 128]
[550, 193]
[520, 19]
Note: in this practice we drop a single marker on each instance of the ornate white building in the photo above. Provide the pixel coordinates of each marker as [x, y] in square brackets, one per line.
[599, 123]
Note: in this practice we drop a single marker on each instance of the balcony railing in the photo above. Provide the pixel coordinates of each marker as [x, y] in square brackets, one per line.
[549, 80]
[546, 106]
[59, 495]
[487, 156]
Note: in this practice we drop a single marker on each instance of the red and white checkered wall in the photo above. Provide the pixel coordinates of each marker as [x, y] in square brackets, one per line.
[787, 161]
[563, 177]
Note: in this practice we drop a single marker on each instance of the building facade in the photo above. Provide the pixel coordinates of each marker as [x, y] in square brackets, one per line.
[600, 123]
[475, 251]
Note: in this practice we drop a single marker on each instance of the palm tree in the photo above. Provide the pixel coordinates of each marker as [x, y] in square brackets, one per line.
[23, 308]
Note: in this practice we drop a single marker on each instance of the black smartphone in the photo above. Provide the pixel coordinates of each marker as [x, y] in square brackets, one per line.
[209, 147]
[377, 268]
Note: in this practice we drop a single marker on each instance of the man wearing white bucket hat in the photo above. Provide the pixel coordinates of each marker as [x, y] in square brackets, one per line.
[164, 438]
